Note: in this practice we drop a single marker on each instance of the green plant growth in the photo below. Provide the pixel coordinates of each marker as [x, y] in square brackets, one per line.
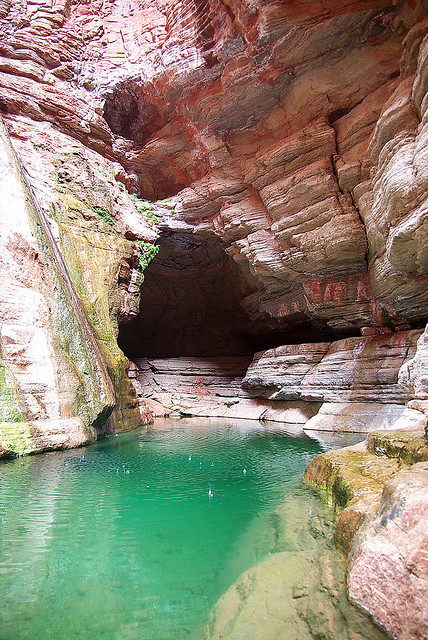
[90, 82]
[168, 203]
[152, 218]
[9, 407]
[145, 208]
[105, 215]
[42, 145]
[147, 252]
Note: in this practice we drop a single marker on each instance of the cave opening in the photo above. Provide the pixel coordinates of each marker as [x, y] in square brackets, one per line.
[130, 113]
[193, 305]
[190, 303]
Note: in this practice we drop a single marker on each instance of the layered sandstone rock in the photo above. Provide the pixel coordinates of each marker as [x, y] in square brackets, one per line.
[49, 359]
[379, 487]
[388, 573]
[292, 134]
[210, 387]
[278, 373]
[290, 142]
[69, 272]
[357, 379]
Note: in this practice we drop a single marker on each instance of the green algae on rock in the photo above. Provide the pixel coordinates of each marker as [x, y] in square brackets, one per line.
[94, 250]
[409, 447]
[380, 489]
[61, 394]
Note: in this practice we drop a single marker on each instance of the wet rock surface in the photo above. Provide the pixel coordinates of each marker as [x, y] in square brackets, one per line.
[380, 489]
[388, 572]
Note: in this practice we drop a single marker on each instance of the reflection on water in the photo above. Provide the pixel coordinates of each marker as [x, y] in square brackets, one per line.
[138, 535]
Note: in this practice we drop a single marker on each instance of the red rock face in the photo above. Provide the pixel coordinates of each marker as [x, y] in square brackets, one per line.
[292, 133]
[291, 138]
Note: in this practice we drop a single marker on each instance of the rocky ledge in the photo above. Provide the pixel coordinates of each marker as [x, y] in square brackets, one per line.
[353, 385]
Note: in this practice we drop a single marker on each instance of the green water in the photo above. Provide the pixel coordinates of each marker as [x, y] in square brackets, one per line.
[136, 537]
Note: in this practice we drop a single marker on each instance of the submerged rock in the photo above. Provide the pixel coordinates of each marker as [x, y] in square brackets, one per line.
[298, 592]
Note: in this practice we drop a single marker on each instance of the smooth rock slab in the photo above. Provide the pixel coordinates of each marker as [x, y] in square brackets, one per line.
[297, 593]
[362, 417]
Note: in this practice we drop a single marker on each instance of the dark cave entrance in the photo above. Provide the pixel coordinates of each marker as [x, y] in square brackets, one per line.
[193, 302]
[190, 303]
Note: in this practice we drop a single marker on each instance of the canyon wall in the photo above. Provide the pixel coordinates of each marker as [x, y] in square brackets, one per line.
[205, 180]
[289, 138]
[63, 379]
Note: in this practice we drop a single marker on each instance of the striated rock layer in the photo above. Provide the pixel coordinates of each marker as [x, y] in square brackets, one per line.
[352, 385]
[292, 134]
[64, 380]
[209, 387]
[277, 152]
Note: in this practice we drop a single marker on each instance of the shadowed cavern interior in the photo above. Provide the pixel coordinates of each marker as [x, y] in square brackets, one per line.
[193, 302]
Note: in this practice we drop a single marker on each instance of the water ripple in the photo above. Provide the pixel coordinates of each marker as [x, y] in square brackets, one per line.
[137, 536]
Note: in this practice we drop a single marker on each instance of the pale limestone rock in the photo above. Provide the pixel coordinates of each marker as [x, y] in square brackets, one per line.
[394, 208]
[413, 375]
[297, 592]
[363, 369]
[352, 479]
[354, 370]
[278, 373]
[25, 334]
[420, 86]
[361, 417]
[210, 387]
[44, 408]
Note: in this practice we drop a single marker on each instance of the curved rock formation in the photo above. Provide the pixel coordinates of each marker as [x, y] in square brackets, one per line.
[294, 134]
[271, 157]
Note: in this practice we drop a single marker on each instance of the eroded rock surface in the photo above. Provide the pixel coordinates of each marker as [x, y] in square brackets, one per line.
[295, 136]
[388, 572]
[65, 379]
[290, 141]
[49, 361]
[210, 387]
[380, 489]
[357, 380]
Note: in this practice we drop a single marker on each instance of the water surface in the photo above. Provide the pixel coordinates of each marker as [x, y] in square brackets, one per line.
[136, 537]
